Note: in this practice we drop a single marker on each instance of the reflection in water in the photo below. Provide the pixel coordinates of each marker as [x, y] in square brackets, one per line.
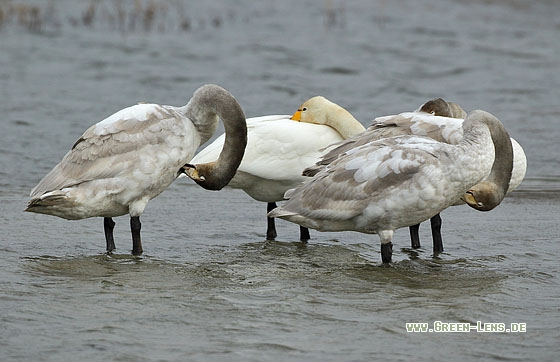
[328, 268]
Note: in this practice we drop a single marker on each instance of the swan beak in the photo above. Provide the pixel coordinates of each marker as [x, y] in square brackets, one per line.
[469, 198]
[191, 171]
[296, 116]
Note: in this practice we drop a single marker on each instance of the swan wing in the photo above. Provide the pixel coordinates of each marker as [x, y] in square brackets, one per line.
[282, 149]
[119, 143]
[362, 176]
[443, 129]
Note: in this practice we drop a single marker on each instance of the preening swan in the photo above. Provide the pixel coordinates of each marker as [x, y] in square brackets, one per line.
[122, 162]
[279, 149]
[383, 185]
[445, 128]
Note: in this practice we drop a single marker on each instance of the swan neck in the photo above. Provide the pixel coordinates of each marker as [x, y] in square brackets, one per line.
[344, 123]
[213, 102]
[500, 173]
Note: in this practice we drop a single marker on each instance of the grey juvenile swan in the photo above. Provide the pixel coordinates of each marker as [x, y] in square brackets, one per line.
[446, 127]
[122, 162]
[383, 185]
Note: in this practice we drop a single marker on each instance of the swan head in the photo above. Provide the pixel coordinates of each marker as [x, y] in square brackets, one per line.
[319, 110]
[202, 175]
[207, 175]
[314, 110]
[436, 106]
[484, 196]
[439, 107]
[191, 171]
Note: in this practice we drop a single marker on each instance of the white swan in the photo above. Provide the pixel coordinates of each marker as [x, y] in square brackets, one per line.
[279, 149]
[401, 181]
[122, 162]
[446, 128]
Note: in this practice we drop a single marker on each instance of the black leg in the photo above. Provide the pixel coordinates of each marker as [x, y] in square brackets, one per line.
[414, 236]
[304, 234]
[386, 252]
[436, 233]
[135, 227]
[108, 226]
[271, 226]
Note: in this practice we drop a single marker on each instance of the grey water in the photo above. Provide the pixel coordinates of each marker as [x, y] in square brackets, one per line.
[209, 287]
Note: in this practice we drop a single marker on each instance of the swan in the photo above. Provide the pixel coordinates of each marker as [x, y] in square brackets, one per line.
[125, 160]
[483, 196]
[380, 186]
[279, 149]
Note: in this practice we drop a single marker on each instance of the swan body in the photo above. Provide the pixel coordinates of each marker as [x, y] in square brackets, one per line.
[118, 164]
[380, 186]
[122, 162]
[280, 147]
[442, 121]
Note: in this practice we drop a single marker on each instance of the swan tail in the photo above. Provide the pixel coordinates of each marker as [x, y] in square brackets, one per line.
[281, 213]
[43, 203]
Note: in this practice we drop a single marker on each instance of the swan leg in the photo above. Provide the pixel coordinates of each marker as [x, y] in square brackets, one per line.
[271, 225]
[386, 253]
[135, 227]
[386, 245]
[414, 236]
[436, 233]
[108, 226]
[304, 234]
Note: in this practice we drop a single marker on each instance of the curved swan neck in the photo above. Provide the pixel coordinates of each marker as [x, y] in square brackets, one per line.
[500, 174]
[344, 122]
[208, 103]
[200, 111]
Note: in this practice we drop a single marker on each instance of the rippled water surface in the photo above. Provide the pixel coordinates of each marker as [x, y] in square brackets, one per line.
[209, 288]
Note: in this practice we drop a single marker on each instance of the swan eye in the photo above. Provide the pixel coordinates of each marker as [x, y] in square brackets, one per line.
[479, 204]
[304, 109]
[202, 178]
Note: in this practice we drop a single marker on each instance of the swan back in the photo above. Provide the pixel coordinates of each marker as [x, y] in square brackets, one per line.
[111, 147]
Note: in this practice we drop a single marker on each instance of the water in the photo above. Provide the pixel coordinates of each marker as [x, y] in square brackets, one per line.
[209, 288]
